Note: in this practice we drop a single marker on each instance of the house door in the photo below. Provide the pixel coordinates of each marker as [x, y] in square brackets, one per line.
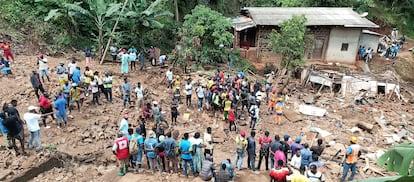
[318, 48]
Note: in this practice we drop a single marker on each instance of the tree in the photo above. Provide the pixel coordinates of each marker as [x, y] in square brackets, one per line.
[205, 33]
[290, 44]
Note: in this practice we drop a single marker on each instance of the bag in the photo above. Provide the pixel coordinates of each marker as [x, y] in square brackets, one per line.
[252, 111]
[265, 147]
[285, 147]
[133, 146]
[240, 146]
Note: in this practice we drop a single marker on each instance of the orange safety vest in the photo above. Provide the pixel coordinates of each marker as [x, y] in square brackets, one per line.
[353, 157]
[279, 107]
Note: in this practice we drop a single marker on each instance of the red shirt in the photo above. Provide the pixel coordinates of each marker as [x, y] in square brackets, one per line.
[264, 139]
[279, 174]
[232, 116]
[44, 102]
[121, 148]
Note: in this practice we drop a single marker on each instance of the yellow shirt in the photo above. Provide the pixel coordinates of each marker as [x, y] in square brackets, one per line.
[75, 93]
[88, 75]
[299, 178]
[227, 105]
[177, 83]
[210, 84]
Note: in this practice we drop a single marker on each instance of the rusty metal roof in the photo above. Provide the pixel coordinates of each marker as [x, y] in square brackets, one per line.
[316, 16]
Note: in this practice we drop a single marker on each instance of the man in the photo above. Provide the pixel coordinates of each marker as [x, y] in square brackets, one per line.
[88, 57]
[60, 106]
[151, 53]
[319, 164]
[5, 67]
[163, 58]
[137, 158]
[141, 59]
[274, 146]
[188, 92]
[296, 160]
[223, 175]
[139, 91]
[32, 121]
[108, 87]
[157, 113]
[279, 156]
[351, 158]
[296, 146]
[150, 145]
[126, 92]
[123, 126]
[66, 87]
[186, 148]
[280, 173]
[36, 83]
[251, 151]
[14, 127]
[229, 168]
[45, 108]
[285, 145]
[4, 130]
[200, 96]
[264, 143]
[121, 150]
[254, 115]
[259, 96]
[7, 51]
[169, 76]
[114, 52]
[62, 71]
[75, 93]
[314, 175]
[72, 67]
[169, 149]
[306, 157]
[227, 106]
[318, 149]
[95, 91]
[207, 169]
[279, 111]
[132, 58]
[43, 67]
[208, 141]
[76, 75]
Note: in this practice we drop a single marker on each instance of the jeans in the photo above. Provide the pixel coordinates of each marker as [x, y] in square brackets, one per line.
[127, 98]
[151, 164]
[272, 161]
[238, 161]
[200, 103]
[61, 118]
[253, 123]
[95, 99]
[108, 94]
[251, 159]
[185, 161]
[170, 83]
[266, 156]
[34, 135]
[137, 158]
[346, 169]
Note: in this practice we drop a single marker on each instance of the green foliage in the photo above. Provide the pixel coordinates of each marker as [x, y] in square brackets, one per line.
[389, 179]
[399, 159]
[240, 63]
[290, 42]
[203, 31]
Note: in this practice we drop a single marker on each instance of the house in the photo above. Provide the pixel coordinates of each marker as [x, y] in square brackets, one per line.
[336, 32]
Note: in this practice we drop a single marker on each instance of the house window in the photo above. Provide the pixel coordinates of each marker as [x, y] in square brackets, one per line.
[344, 47]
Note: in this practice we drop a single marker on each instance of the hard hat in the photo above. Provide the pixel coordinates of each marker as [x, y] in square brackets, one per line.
[280, 99]
[353, 139]
[243, 134]
[155, 102]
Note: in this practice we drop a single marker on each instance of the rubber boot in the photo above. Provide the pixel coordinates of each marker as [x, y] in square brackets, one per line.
[121, 171]
[126, 169]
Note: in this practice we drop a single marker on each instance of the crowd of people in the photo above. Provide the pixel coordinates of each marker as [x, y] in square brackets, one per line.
[230, 98]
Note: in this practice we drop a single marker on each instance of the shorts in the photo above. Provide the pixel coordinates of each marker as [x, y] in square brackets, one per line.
[43, 73]
[19, 136]
[226, 114]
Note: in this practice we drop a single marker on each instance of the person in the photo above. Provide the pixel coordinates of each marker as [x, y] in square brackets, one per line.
[147, 111]
[241, 143]
[351, 158]
[170, 146]
[254, 115]
[169, 77]
[60, 106]
[43, 67]
[272, 99]
[223, 175]
[72, 67]
[251, 151]
[188, 92]
[139, 91]
[4, 130]
[274, 146]
[174, 112]
[232, 120]
[198, 157]
[314, 175]
[114, 52]
[123, 125]
[156, 113]
[317, 149]
[5, 67]
[62, 72]
[296, 146]
[32, 121]
[88, 57]
[230, 59]
[227, 106]
[185, 148]
[75, 93]
[141, 59]
[15, 131]
[279, 173]
[45, 108]
[319, 164]
[99, 81]
[121, 151]
[88, 75]
[150, 145]
[160, 153]
[7, 51]
[395, 50]
[264, 143]
[368, 57]
[394, 34]
[126, 92]
[65, 89]
[285, 144]
[162, 59]
[76, 76]
[151, 53]
[296, 160]
[124, 63]
[279, 110]
[95, 91]
[132, 57]
[306, 157]
[279, 155]
[107, 81]
[207, 169]
[137, 158]
[208, 141]
[200, 96]
[229, 168]
[36, 83]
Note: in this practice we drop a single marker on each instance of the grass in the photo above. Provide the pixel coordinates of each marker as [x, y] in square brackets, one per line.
[405, 68]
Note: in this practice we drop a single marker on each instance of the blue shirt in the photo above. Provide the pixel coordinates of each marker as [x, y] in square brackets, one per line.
[76, 76]
[126, 88]
[60, 105]
[66, 89]
[169, 145]
[150, 144]
[2, 127]
[229, 168]
[306, 157]
[185, 147]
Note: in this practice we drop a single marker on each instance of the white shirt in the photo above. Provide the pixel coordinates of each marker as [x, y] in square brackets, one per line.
[162, 58]
[72, 67]
[32, 121]
[188, 89]
[94, 87]
[200, 92]
[318, 177]
[295, 161]
[259, 95]
[195, 141]
[207, 139]
[43, 64]
[139, 92]
[169, 75]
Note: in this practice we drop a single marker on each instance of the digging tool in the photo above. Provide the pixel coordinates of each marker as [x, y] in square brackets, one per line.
[336, 154]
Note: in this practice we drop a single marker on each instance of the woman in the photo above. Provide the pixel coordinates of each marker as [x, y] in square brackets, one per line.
[124, 64]
[198, 155]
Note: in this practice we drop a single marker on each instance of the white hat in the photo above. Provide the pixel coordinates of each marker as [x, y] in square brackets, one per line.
[155, 102]
[32, 108]
[74, 84]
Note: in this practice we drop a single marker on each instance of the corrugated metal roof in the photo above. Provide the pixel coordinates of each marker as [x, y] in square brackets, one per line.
[315, 15]
[241, 23]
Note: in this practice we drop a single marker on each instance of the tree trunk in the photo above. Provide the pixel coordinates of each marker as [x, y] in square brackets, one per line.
[177, 17]
[100, 43]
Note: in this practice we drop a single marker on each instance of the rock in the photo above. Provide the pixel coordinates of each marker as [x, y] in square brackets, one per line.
[88, 140]
[365, 126]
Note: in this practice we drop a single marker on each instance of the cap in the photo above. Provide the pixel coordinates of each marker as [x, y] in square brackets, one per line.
[161, 138]
[286, 137]
[280, 99]
[298, 140]
[138, 130]
[353, 139]
[243, 133]
[125, 116]
[62, 62]
[312, 166]
[155, 102]
[74, 84]
[31, 108]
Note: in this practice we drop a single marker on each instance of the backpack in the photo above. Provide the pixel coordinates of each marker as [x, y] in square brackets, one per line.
[240, 145]
[265, 146]
[285, 147]
[133, 146]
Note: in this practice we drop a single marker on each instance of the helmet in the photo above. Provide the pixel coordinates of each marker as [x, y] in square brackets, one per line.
[274, 90]
[280, 99]
[243, 134]
[353, 139]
